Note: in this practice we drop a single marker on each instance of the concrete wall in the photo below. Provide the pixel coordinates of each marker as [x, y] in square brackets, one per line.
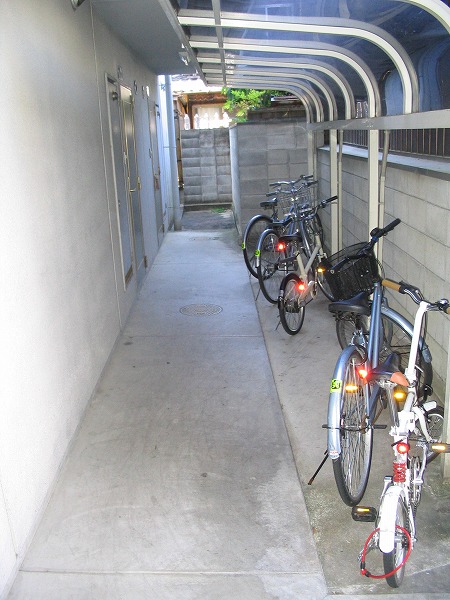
[63, 298]
[418, 250]
[205, 156]
[264, 152]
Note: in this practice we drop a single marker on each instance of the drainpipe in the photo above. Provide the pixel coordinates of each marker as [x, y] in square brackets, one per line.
[334, 177]
[172, 149]
[373, 182]
[382, 189]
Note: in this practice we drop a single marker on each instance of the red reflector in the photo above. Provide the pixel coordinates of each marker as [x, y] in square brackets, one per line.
[363, 373]
[403, 447]
[301, 286]
[281, 247]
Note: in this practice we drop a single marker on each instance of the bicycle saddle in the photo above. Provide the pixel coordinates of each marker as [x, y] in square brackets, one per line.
[268, 203]
[389, 369]
[359, 304]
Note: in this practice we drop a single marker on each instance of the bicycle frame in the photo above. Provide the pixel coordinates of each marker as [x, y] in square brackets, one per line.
[394, 534]
[379, 309]
[403, 425]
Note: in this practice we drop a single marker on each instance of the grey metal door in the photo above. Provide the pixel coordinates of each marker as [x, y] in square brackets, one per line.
[133, 180]
[123, 208]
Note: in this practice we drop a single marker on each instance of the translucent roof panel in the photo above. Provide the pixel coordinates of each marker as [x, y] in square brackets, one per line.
[393, 54]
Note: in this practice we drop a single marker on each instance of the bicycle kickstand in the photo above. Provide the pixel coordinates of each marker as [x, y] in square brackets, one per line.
[310, 482]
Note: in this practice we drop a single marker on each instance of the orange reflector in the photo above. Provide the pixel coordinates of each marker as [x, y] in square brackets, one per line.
[320, 270]
[440, 447]
[403, 447]
[399, 394]
[351, 388]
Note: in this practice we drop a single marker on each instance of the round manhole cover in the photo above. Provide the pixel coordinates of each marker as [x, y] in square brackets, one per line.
[201, 310]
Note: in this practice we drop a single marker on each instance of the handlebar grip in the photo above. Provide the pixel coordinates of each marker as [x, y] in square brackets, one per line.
[447, 310]
[390, 227]
[393, 285]
[328, 200]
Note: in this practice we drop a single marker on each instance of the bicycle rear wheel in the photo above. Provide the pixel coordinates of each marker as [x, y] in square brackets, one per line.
[434, 419]
[290, 304]
[393, 560]
[271, 267]
[351, 468]
[252, 233]
[394, 339]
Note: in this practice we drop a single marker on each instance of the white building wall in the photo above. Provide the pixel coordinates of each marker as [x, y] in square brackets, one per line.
[63, 300]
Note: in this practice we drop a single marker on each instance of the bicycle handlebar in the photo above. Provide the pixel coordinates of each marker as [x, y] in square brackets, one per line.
[413, 292]
[377, 233]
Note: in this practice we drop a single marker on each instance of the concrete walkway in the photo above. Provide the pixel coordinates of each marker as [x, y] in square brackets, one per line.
[181, 483]
[185, 479]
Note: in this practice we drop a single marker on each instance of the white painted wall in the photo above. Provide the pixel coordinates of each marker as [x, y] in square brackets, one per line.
[62, 299]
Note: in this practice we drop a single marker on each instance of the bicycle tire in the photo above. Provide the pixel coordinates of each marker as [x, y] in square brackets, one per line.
[269, 268]
[322, 282]
[252, 233]
[391, 560]
[435, 425]
[290, 306]
[352, 467]
[395, 339]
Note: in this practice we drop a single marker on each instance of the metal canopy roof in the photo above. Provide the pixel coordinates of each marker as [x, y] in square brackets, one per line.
[382, 57]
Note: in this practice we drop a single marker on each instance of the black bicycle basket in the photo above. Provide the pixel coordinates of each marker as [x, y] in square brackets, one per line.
[347, 274]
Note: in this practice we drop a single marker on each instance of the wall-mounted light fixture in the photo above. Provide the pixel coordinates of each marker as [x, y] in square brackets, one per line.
[76, 3]
[184, 57]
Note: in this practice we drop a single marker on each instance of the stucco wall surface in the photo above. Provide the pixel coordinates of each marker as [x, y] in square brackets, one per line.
[63, 300]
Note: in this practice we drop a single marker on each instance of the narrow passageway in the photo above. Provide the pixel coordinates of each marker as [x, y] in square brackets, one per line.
[181, 482]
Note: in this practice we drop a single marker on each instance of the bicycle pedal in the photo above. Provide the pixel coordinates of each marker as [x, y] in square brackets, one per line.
[364, 514]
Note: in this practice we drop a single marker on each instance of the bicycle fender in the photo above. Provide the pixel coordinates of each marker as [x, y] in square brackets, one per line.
[388, 515]
[334, 403]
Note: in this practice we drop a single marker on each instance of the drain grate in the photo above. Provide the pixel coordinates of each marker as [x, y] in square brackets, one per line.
[200, 310]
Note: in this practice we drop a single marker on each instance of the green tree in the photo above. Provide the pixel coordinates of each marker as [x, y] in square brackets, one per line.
[240, 101]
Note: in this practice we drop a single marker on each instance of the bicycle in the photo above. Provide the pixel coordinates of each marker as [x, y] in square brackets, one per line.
[275, 261]
[279, 199]
[377, 330]
[295, 288]
[414, 441]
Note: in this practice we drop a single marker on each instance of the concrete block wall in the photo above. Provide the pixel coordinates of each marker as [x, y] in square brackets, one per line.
[418, 249]
[263, 152]
[205, 159]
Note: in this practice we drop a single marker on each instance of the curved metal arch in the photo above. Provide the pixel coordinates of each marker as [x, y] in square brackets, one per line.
[289, 85]
[308, 48]
[330, 71]
[327, 26]
[436, 8]
[295, 76]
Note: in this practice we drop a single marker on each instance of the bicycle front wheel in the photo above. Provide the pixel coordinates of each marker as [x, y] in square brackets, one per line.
[322, 282]
[252, 233]
[351, 468]
[290, 304]
[270, 269]
[394, 561]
